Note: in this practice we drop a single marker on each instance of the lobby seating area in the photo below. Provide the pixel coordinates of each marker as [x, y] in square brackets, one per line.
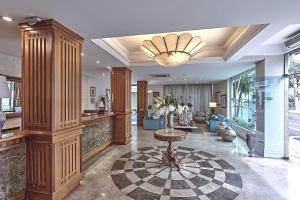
[145, 100]
[153, 124]
[213, 121]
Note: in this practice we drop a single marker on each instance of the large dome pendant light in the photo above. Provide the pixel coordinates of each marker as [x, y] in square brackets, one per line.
[172, 50]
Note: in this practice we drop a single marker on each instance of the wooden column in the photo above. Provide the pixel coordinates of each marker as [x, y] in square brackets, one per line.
[142, 101]
[51, 78]
[121, 104]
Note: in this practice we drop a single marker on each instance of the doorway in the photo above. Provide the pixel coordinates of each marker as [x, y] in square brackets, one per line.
[133, 104]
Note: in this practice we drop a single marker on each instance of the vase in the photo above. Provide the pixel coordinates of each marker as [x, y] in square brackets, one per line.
[228, 134]
[220, 128]
[251, 140]
[169, 123]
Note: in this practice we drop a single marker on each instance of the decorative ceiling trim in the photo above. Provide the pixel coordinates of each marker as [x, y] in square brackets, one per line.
[114, 50]
[192, 61]
[241, 37]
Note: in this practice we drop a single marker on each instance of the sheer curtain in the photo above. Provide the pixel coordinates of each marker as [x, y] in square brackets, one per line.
[199, 95]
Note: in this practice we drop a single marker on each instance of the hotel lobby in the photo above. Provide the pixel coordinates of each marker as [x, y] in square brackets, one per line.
[149, 100]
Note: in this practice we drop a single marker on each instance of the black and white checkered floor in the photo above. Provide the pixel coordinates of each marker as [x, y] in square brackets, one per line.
[140, 175]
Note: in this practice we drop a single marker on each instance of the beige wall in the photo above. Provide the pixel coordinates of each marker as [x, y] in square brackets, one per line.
[10, 65]
[100, 82]
[220, 87]
[155, 88]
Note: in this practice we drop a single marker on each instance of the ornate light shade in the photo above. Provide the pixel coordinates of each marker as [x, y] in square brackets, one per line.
[172, 50]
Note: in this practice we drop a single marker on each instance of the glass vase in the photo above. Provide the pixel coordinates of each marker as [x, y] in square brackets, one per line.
[169, 122]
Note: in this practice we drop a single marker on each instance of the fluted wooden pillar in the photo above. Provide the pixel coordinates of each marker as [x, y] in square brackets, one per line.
[142, 101]
[51, 78]
[121, 104]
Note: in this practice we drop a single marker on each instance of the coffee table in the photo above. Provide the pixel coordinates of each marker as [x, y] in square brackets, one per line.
[186, 128]
[175, 136]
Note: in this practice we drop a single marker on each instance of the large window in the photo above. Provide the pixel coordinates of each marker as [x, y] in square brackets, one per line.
[294, 80]
[243, 99]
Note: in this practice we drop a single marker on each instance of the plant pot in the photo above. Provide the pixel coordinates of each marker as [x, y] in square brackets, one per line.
[251, 140]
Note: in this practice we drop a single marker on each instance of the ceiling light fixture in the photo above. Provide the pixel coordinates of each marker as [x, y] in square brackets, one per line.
[172, 50]
[97, 61]
[7, 18]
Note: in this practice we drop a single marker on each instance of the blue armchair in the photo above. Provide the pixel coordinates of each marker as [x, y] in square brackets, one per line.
[153, 124]
[214, 122]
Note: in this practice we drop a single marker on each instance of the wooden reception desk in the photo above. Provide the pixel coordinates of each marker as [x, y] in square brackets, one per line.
[96, 136]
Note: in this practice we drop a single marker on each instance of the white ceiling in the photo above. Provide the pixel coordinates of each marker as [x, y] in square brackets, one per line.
[114, 18]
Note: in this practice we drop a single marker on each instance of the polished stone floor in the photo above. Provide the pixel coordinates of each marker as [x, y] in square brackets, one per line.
[262, 178]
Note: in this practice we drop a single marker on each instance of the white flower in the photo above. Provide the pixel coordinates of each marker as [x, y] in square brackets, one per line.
[163, 110]
[179, 109]
[171, 108]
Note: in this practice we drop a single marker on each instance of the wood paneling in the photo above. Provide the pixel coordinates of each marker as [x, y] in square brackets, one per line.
[142, 101]
[19, 196]
[67, 81]
[37, 82]
[51, 68]
[121, 104]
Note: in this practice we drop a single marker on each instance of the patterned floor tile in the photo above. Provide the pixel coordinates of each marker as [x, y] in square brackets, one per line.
[142, 176]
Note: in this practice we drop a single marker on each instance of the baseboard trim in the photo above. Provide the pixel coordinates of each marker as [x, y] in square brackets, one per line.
[89, 155]
[18, 196]
[66, 190]
[270, 153]
[58, 195]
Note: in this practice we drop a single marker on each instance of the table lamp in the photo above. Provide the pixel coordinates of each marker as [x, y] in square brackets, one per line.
[212, 105]
[4, 93]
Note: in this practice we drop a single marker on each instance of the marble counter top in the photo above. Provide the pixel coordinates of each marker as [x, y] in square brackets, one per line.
[94, 118]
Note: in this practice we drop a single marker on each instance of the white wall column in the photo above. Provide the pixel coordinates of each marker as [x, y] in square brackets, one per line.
[270, 118]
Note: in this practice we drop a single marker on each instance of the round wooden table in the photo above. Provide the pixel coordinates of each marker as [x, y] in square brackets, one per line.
[175, 136]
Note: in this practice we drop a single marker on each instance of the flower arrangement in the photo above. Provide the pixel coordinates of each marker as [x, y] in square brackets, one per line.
[166, 104]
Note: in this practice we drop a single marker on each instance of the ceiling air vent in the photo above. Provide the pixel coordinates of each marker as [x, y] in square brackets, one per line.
[293, 42]
[160, 75]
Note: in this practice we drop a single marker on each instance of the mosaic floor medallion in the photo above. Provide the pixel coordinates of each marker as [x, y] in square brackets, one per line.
[140, 175]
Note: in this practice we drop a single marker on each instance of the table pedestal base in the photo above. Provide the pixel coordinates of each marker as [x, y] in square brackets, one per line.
[170, 157]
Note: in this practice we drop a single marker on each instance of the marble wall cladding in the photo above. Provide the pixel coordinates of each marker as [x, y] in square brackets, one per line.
[95, 135]
[12, 171]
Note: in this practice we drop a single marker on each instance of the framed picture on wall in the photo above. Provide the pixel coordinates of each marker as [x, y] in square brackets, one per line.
[92, 91]
[218, 98]
[93, 100]
[224, 101]
[155, 94]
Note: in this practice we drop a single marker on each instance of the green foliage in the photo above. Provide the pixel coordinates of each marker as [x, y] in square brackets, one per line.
[190, 105]
[166, 101]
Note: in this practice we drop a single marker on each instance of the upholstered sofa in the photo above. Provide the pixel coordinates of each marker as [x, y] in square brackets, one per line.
[153, 124]
[213, 122]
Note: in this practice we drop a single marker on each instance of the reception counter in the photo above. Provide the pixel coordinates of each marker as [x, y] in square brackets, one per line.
[96, 134]
[12, 166]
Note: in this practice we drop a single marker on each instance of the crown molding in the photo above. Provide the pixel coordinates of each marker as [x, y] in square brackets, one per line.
[241, 37]
[114, 51]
